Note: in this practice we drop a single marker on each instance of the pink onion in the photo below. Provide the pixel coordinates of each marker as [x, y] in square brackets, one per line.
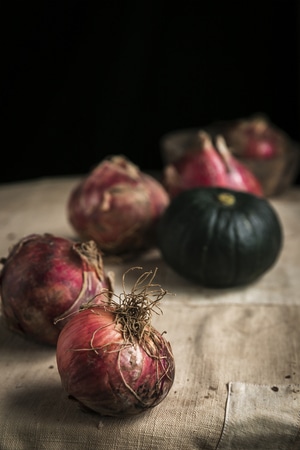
[44, 277]
[256, 138]
[238, 177]
[209, 165]
[111, 359]
[117, 206]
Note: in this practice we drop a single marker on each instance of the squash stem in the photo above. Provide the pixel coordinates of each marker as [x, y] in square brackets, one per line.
[226, 199]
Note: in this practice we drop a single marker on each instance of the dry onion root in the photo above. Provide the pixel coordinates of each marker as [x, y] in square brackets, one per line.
[111, 359]
[46, 276]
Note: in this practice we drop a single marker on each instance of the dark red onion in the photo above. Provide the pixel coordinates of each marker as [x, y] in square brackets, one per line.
[118, 206]
[46, 276]
[112, 360]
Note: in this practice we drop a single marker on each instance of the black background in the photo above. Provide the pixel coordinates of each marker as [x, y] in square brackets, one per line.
[81, 80]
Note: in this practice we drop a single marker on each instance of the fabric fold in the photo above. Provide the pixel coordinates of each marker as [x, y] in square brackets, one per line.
[261, 417]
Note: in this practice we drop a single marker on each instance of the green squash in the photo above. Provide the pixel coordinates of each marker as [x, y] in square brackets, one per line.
[218, 237]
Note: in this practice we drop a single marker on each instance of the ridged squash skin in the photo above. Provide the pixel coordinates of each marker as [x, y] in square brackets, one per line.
[219, 237]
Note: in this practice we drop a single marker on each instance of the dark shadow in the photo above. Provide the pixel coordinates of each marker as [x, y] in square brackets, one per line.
[12, 343]
[168, 278]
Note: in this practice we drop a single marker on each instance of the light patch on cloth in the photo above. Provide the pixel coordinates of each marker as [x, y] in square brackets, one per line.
[261, 417]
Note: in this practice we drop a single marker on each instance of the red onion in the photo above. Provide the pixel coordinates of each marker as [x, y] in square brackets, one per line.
[238, 176]
[198, 166]
[44, 277]
[111, 359]
[207, 165]
[256, 138]
[117, 206]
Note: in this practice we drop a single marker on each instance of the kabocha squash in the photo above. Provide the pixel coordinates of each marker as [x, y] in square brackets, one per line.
[218, 237]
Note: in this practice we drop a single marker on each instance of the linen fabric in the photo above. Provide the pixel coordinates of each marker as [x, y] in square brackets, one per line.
[237, 351]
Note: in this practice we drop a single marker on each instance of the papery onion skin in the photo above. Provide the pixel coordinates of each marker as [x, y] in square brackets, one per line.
[46, 276]
[118, 206]
[106, 373]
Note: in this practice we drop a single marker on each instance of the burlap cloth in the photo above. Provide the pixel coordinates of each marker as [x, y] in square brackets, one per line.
[237, 352]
